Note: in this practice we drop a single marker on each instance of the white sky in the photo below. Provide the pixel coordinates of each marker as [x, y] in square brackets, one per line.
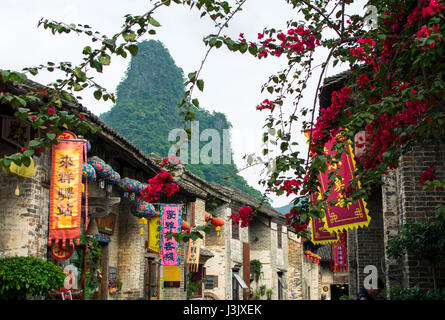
[232, 81]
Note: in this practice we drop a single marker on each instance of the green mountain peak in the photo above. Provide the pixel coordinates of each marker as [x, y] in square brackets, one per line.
[146, 111]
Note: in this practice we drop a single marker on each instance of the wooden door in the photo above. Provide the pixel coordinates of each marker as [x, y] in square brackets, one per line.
[152, 280]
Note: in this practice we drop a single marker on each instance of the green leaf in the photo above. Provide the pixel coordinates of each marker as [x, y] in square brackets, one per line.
[34, 143]
[133, 48]
[153, 22]
[129, 36]
[98, 94]
[51, 135]
[200, 84]
[104, 59]
[28, 152]
[192, 76]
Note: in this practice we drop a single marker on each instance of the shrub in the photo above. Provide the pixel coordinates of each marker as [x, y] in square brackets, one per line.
[21, 277]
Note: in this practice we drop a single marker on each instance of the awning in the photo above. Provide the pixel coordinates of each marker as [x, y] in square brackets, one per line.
[240, 281]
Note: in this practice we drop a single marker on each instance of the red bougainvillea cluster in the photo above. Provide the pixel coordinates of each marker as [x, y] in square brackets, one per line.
[324, 128]
[428, 175]
[266, 104]
[244, 215]
[381, 133]
[161, 183]
[172, 160]
[293, 216]
[291, 186]
[294, 41]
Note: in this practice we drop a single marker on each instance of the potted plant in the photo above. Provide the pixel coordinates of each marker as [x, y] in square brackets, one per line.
[269, 294]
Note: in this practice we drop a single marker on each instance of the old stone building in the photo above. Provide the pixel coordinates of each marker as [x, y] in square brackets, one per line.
[224, 262]
[24, 215]
[265, 239]
[398, 200]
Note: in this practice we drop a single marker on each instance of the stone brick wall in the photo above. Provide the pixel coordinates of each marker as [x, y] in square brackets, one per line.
[131, 254]
[369, 246]
[24, 218]
[260, 237]
[220, 264]
[405, 201]
[295, 267]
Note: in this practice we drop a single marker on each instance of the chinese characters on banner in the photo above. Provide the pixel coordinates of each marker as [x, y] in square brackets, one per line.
[65, 191]
[171, 215]
[153, 234]
[319, 234]
[339, 254]
[340, 217]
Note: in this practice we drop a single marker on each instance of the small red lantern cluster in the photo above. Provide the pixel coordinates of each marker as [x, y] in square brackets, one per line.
[312, 257]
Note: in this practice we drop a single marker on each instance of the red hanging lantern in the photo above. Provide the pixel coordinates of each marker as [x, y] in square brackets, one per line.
[207, 216]
[217, 222]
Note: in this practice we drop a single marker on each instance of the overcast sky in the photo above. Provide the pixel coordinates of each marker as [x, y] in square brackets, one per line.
[232, 80]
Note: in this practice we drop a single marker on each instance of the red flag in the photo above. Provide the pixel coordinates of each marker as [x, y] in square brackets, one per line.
[338, 217]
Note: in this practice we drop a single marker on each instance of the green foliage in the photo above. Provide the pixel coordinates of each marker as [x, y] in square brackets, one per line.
[22, 277]
[146, 110]
[423, 240]
[414, 293]
[192, 287]
[94, 253]
[255, 268]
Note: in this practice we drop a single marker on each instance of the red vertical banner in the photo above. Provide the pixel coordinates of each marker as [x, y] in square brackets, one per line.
[339, 254]
[65, 191]
[171, 216]
[341, 216]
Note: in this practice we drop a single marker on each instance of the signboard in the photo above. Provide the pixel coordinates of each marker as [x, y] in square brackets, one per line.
[60, 252]
[170, 215]
[153, 234]
[65, 191]
[106, 224]
[193, 253]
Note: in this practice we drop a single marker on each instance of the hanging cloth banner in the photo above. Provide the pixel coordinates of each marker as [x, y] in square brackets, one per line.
[171, 215]
[153, 234]
[319, 234]
[339, 254]
[337, 217]
[65, 191]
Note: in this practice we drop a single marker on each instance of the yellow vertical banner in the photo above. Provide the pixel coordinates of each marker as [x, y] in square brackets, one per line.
[65, 191]
[153, 234]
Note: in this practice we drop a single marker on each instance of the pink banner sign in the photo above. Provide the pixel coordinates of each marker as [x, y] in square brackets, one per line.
[170, 216]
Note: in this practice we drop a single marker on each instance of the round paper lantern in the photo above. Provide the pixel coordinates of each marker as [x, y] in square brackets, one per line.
[113, 178]
[139, 186]
[94, 159]
[103, 170]
[88, 172]
[127, 184]
[207, 216]
[185, 225]
[217, 222]
[143, 209]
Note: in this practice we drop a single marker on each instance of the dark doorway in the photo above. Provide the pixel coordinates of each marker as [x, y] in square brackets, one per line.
[338, 290]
